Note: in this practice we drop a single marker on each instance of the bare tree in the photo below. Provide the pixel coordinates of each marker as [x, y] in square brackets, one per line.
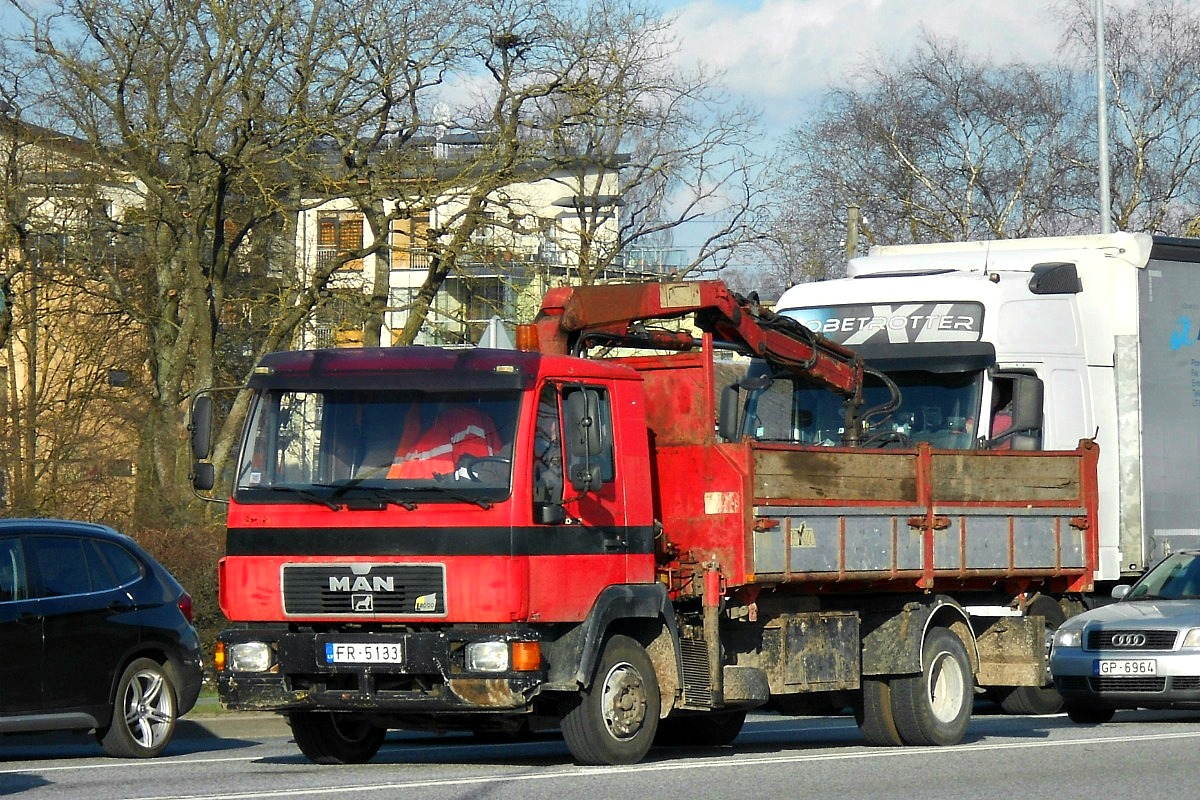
[1153, 69]
[941, 147]
[670, 146]
[231, 119]
[67, 434]
[198, 102]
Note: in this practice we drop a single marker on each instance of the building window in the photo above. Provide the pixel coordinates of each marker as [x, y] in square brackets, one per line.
[338, 235]
[410, 243]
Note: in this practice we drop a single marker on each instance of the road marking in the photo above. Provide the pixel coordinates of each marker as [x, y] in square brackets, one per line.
[590, 772]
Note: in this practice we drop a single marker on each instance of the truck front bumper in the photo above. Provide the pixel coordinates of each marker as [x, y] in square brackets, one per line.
[425, 672]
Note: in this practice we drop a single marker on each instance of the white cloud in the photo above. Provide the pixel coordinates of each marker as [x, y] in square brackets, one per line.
[782, 52]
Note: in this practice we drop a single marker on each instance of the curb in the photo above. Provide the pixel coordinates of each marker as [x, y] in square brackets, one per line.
[231, 725]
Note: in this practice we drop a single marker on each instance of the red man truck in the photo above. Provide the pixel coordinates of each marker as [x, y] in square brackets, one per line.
[630, 531]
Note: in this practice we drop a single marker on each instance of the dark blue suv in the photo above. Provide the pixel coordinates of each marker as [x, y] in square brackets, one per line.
[95, 635]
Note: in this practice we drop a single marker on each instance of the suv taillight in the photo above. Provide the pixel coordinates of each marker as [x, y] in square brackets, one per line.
[185, 606]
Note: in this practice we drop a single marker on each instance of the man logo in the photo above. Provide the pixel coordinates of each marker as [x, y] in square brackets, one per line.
[362, 584]
[362, 603]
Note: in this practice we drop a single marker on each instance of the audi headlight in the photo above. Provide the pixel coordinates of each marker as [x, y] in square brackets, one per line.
[249, 657]
[1068, 637]
[1191, 638]
[487, 657]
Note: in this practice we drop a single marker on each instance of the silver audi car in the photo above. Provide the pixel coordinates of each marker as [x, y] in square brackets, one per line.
[1142, 651]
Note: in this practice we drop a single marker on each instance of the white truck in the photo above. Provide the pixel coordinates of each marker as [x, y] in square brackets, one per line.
[1035, 344]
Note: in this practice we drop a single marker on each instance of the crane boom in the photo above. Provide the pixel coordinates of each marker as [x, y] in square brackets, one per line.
[573, 317]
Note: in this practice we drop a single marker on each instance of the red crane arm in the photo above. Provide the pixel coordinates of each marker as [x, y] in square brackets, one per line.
[616, 313]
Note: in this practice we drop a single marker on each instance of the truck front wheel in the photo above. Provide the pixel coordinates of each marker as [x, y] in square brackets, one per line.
[934, 707]
[614, 720]
[328, 738]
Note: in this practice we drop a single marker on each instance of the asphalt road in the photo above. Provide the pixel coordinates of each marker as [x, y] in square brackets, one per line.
[251, 757]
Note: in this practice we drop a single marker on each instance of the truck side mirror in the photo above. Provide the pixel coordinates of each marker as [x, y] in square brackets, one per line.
[204, 476]
[1027, 412]
[200, 426]
[585, 439]
[727, 416]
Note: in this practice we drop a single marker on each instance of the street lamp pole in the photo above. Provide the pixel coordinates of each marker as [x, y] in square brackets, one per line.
[1102, 121]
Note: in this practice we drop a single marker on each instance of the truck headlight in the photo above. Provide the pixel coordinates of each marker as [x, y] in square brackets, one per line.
[1071, 637]
[249, 657]
[487, 657]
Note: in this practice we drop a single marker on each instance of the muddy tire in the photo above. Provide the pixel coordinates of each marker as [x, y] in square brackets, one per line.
[1045, 699]
[614, 720]
[328, 738]
[874, 716]
[934, 707]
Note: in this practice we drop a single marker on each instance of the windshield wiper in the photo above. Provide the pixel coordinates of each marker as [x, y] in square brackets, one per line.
[307, 495]
[442, 488]
[379, 493]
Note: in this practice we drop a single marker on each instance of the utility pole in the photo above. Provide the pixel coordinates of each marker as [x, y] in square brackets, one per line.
[1102, 121]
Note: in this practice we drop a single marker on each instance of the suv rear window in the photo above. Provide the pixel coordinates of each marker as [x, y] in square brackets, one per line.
[118, 566]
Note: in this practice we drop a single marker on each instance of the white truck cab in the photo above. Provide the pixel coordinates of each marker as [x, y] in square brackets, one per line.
[1036, 344]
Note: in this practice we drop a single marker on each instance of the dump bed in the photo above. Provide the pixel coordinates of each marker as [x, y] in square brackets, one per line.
[837, 519]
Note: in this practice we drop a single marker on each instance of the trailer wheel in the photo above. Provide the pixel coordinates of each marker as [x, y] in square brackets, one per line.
[709, 729]
[328, 738]
[873, 713]
[1043, 699]
[615, 719]
[934, 707]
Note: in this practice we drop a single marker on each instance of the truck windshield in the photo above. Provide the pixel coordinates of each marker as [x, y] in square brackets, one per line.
[939, 408]
[337, 446]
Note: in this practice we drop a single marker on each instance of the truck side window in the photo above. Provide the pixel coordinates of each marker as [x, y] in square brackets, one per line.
[547, 450]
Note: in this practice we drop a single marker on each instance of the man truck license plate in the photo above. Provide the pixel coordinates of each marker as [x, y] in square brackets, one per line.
[362, 653]
[1144, 666]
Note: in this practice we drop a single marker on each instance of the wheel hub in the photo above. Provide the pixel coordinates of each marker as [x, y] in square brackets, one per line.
[624, 702]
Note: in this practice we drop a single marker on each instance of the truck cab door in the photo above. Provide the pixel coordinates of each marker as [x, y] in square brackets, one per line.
[576, 503]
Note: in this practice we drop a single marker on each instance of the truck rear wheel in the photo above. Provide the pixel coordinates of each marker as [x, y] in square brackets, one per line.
[1043, 699]
[934, 707]
[614, 720]
[874, 716]
[328, 738]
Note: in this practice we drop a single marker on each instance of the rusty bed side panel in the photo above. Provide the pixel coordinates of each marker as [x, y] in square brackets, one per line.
[922, 518]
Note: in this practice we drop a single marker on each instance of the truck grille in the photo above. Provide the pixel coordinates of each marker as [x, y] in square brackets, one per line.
[1152, 639]
[697, 685]
[367, 591]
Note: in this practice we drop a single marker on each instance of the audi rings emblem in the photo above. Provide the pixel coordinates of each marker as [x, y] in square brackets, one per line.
[1129, 640]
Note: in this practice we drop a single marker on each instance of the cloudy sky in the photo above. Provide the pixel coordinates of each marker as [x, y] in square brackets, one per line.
[780, 54]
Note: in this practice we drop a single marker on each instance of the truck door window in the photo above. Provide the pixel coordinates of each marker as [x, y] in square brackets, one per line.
[547, 450]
